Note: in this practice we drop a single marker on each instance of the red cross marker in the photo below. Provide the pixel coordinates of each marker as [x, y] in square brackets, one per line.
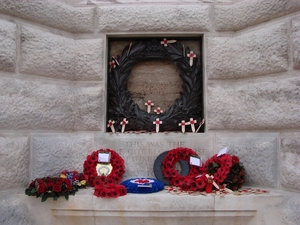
[158, 110]
[193, 122]
[123, 123]
[112, 64]
[183, 124]
[157, 122]
[192, 56]
[165, 42]
[111, 125]
[149, 104]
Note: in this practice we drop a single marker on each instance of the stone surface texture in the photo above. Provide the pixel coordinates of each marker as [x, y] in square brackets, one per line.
[66, 17]
[47, 54]
[153, 18]
[30, 104]
[53, 153]
[296, 41]
[253, 53]
[290, 163]
[14, 161]
[13, 211]
[252, 104]
[53, 70]
[7, 46]
[261, 171]
[248, 13]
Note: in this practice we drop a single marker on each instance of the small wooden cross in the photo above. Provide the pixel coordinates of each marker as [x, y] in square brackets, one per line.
[149, 104]
[183, 124]
[123, 123]
[200, 124]
[158, 110]
[157, 122]
[112, 64]
[192, 123]
[165, 42]
[111, 125]
[192, 56]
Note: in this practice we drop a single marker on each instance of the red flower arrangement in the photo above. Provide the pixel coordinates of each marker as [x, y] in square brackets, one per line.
[105, 186]
[190, 182]
[226, 170]
[117, 163]
[53, 187]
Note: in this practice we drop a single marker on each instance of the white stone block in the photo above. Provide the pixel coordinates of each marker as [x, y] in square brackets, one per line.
[157, 18]
[258, 154]
[291, 214]
[296, 42]
[244, 105]
[7, 46]
[248, 13]
[290, 161]
[90, 108]
[53, 153]
[14, 161]
[140, 151]
[13, 211]
[89, 59]
[51, 13]
[252, 53]
[46, 54]
[27, 104]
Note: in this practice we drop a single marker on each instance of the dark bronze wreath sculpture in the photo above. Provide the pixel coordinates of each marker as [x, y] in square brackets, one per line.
[121, 105]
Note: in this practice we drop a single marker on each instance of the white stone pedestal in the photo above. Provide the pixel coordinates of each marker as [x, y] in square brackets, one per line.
[158, 209]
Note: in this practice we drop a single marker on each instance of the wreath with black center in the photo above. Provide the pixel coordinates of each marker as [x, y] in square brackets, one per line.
[121, 105]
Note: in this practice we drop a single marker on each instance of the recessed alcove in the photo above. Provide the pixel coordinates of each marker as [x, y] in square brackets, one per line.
[143, 69]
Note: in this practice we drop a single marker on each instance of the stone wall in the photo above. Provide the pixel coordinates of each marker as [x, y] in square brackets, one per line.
[53, 85]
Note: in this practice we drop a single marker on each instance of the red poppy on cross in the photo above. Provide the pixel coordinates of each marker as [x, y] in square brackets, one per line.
[112, 64]
[123, 123]
[157, 122]
[149, 104]
[183, 124]
[111, 125]
[165, 42]
[193, 122]
[192, 56]
[158, 110]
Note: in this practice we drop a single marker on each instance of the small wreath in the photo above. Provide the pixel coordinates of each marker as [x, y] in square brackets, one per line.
[226, 170]
[190, 182]
[114, 177]
[121, 105]
[143, 185]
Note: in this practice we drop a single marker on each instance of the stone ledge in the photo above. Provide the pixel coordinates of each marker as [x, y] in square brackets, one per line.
[158, 208]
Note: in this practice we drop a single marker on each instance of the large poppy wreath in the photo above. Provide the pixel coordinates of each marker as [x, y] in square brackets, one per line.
[117, 163]
[120, 103]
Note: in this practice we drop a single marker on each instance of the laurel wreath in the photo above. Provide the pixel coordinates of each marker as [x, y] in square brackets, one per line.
[121, 105]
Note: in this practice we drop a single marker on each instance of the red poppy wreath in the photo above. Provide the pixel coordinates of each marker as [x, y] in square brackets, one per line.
[190, 182]
[117, 164]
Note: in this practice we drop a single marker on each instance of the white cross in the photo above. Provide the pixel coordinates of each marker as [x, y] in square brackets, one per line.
[182, 124]
[112, 64]
[123, 123]
[111, 125]
[149, 104]
[157, 122]
[165, 42]
[158, 110]
[192, 56]
[193, 122]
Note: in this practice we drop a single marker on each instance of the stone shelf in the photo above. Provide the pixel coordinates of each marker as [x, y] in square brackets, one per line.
[158, 209]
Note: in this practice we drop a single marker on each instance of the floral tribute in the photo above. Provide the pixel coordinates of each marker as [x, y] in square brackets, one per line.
[219, 172]
[51, 187]
[226, 170]
[77, 179]
[106, 186]
[190, 182]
